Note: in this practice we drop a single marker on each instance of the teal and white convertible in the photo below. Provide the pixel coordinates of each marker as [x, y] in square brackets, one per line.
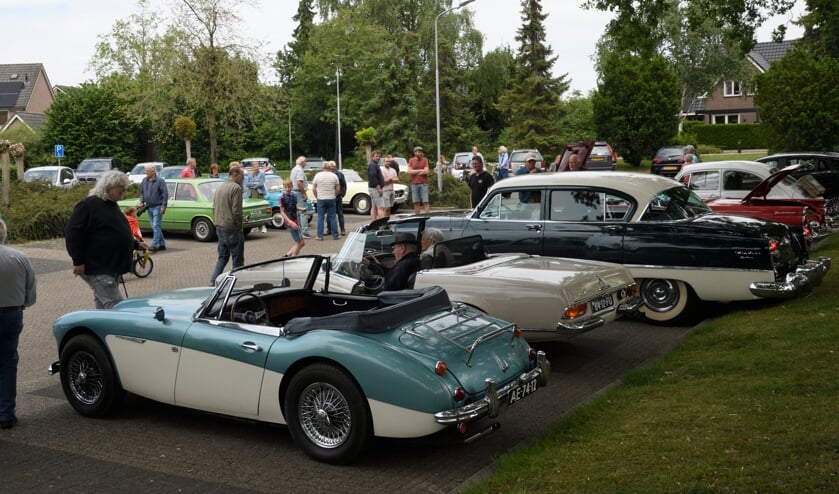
[337, 369]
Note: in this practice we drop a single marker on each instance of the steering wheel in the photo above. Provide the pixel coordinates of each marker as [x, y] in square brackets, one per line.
[372, 273]
[250, 316]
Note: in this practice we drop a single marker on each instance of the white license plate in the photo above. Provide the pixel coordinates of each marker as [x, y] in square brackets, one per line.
[602, 303]
[522, 391]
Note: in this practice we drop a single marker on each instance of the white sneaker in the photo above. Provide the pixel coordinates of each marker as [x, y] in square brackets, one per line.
[264, 229]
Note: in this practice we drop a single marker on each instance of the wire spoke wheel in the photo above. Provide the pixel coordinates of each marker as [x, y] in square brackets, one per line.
[325, 415]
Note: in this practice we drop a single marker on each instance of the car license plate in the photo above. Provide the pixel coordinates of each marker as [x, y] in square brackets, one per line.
[597, 158]
[670, 168]
[602, 303]
[522, 391]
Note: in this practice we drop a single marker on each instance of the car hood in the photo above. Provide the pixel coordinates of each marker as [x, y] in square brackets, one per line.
[763, 188]
[178, 304]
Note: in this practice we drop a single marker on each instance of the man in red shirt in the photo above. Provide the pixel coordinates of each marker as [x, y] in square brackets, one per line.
[418, 170]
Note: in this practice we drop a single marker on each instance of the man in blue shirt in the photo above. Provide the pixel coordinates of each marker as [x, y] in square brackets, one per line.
[154, 196]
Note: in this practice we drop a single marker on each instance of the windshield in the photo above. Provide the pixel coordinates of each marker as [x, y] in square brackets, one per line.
[40, 175]
[94, 166]
[352, 176]
[208, 189]
[274, 183]
[677, 203]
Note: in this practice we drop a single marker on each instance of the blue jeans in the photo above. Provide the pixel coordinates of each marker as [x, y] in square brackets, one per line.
[230, 243]
[11, 324]
[326, 208]
[155, 218]
[302, 215]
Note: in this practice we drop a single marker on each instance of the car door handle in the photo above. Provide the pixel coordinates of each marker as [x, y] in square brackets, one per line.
[251, 347]
[614, 229]
[532, 227]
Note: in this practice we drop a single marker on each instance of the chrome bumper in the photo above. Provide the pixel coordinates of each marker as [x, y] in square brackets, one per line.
[490, 404]
[54, 368]
[628, 307]
[805, 277]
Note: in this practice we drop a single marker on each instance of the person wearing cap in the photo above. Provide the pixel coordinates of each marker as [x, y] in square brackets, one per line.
[418, 170]
[406, 252]
[529, 165]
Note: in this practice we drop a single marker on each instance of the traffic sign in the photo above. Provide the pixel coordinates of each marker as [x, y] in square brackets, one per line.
[59, 150]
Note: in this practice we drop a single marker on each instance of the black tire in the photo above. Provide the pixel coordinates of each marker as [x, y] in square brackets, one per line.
[88, 378]
[667, 301]
[277, 220]
[361, 204]
[142, 268]
[831, 206]
[203, 230]
[327, 414]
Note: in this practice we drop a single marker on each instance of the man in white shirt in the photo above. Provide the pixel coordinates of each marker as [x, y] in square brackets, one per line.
[300, 184]
[391, 177]
[325, 187]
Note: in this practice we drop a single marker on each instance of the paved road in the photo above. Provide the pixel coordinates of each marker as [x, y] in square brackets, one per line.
[151, 447]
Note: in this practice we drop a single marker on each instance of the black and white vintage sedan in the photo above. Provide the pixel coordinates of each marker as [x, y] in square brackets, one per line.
[677, 248]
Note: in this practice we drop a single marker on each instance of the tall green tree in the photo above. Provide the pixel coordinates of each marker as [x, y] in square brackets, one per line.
[93, 119]
[797, 99]
[636, 104]
[533, 100]
[821, 28]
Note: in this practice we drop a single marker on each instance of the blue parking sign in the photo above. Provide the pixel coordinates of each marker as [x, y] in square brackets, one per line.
[59, 150]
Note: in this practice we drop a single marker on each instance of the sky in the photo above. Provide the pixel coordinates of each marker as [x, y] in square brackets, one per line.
[62, 34]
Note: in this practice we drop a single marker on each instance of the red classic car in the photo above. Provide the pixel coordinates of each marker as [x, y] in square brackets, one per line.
[806, 217]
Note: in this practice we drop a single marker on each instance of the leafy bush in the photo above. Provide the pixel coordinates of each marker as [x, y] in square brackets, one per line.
[38, 212]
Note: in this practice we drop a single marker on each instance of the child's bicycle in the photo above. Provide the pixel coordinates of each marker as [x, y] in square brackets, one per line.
[142, 265]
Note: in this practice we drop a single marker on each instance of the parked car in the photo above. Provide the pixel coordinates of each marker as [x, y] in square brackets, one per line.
[357, 197]
[517, 159]
[190, 209]
[460, 165]
[265, 164]
[314, 164]
[402, 163]
[602, 157]
[53, 176]
[554, 296]
[805, 215]
[274, 189]
[677, 249]
[668, 160]
[90, 169]
[736, 179]
[138, 173]
[170, 172]
[824, 167]
[337, 369]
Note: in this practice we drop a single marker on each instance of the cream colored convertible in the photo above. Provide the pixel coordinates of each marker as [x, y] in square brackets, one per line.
[545, 296]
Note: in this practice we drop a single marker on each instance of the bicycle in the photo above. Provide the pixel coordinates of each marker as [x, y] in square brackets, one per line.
[142, 265]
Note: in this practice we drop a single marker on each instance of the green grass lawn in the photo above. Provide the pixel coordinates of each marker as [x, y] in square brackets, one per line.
[747, 403]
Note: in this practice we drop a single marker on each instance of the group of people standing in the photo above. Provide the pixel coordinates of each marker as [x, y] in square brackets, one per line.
[382, 177]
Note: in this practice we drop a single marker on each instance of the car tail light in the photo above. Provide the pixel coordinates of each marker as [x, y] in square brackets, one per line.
[459, 394]
[656, 160]
[517, 332]
[575, 311]
[441, 368]
[534, 354]
[774, 251]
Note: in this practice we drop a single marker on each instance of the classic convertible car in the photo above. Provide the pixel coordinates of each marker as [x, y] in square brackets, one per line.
[336, 368]
[677, 249]
[546, 296]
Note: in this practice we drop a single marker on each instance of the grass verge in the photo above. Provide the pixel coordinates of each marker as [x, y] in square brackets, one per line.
[747, 403]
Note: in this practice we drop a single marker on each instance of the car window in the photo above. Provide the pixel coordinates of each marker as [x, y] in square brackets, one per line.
[66, 174]
[208, 189]
[677, 203]
[703, 181]
[741, 181]
[185, 192]
[577, 205]
[600, 151]
[520, 205]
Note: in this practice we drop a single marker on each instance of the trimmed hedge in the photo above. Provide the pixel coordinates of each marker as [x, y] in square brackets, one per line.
[729, 136]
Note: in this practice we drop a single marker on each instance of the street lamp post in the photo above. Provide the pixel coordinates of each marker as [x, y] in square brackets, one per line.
[437, 90]
[338, 88]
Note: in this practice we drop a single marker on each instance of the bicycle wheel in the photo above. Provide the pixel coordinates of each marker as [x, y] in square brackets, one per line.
[142, 267]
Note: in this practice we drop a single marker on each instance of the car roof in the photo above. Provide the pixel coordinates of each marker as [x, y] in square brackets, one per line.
[829, 154]
[748, 166]
[641, 186]
[48, 168]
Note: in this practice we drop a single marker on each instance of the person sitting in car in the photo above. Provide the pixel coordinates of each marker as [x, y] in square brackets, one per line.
[405, 249]
[433, 255]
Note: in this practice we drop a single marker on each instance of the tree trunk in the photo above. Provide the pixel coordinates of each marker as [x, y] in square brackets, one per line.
[19, 163]
[188, 149]
[4, 159]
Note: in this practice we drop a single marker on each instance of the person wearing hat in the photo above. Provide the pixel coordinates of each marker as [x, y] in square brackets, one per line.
[406, 251]
[418, 170]
[529, 165]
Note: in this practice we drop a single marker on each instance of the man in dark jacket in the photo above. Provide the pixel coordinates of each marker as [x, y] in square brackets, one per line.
[406, 251]
[99, 240]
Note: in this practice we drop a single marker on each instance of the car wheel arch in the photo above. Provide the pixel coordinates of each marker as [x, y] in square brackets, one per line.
[296, 367]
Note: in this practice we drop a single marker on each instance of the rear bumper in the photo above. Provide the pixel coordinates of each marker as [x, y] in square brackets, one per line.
[628, 307]
[491, 404]
[806, 276]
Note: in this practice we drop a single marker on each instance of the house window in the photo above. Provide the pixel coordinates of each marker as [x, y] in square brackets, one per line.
[726, 119]
[732, 88]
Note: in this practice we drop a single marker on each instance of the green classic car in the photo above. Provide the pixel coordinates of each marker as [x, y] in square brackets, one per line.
[190, 209]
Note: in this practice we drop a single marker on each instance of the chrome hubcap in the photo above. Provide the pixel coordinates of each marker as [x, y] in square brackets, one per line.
[85, 378]
[325, 415]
